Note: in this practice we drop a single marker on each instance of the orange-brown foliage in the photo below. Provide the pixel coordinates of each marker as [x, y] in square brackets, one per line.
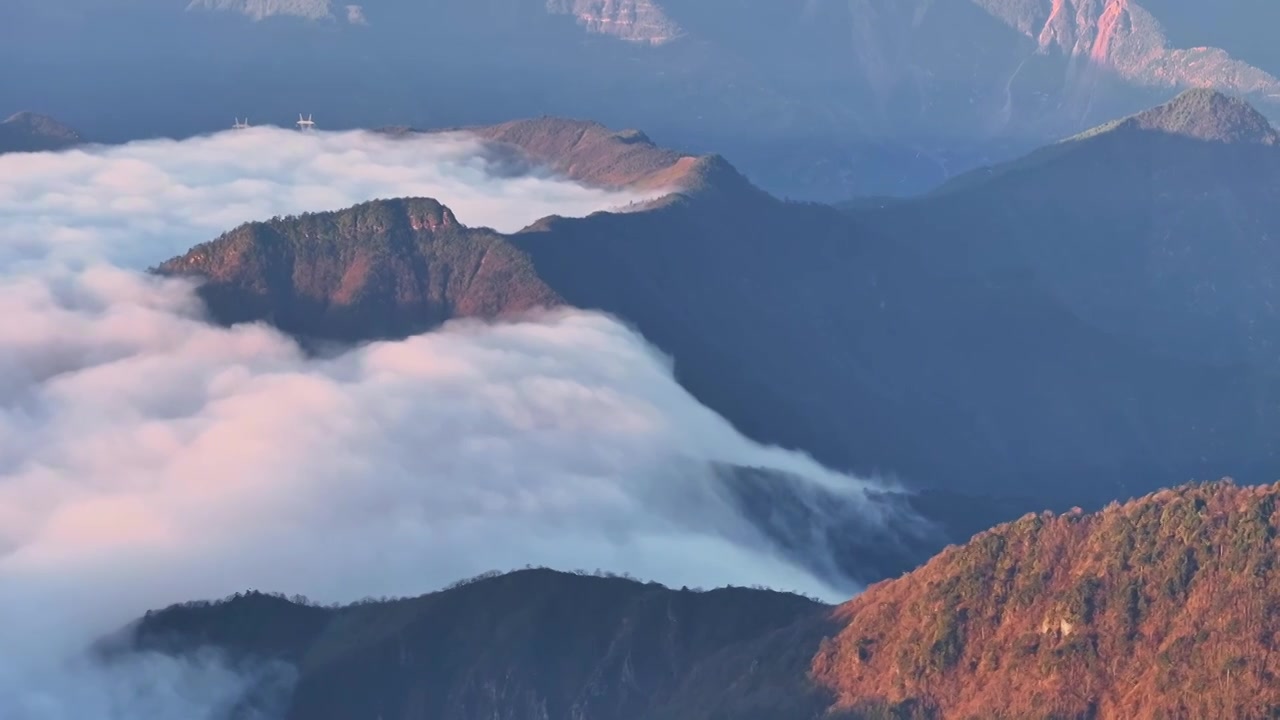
[1164, 607]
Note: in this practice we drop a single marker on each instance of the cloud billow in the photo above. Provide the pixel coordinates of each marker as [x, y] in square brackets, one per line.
[149, 457]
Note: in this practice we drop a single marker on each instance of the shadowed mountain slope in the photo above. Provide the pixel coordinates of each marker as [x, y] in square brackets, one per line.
[1159, 608]
[1163, 227]
[528, 645]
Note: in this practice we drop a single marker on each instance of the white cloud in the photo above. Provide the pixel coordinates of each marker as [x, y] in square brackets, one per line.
[143, 202]
[148, 457]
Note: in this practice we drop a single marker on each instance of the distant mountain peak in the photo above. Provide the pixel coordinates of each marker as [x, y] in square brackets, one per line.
[594, 154]
[38, 122]
[1206, 114]
[1126, 38]
[29, 131]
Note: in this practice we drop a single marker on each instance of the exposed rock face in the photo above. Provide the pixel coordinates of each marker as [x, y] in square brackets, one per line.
[1122, 36]
[1162, 607]
[642, 21]
[262, 9]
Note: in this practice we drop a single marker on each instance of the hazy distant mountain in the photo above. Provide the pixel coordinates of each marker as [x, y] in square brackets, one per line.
[1125, 38]
[306, 9]
[1161, 607]
[819, 100]
[644, 21]
[525, 646]
[30, 132]
[591, 153]
[1163, 227]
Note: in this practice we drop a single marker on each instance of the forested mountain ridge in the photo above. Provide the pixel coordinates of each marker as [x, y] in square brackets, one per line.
[523, 646]
[1159, 607]
[380, 269]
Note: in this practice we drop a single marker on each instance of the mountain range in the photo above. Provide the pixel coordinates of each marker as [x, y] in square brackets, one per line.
[1160, 607]
[1156, 227]
[987, 339]
[814, 100]
[1087, 321]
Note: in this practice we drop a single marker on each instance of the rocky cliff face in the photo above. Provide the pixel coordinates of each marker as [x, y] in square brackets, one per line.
[641, 21]
[262, 9]
[1123, 37]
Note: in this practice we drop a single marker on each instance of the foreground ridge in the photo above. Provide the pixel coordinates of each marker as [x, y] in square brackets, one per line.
[1160, 607]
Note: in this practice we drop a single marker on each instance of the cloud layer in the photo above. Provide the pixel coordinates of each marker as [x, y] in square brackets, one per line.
[140, 203]
[148, 457]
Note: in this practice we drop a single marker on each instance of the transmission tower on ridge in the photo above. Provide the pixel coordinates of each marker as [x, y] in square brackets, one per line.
[307, 124]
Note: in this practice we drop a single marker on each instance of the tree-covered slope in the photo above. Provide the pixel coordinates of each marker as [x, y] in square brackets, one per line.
[382, 268]
[529, 645]
[1163, 607]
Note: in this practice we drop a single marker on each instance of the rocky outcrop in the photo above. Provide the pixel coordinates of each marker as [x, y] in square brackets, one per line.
[1123, 37]
[641, 21]
[262, 9]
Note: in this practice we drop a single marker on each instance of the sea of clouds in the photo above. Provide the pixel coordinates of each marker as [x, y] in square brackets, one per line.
[148, 457]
